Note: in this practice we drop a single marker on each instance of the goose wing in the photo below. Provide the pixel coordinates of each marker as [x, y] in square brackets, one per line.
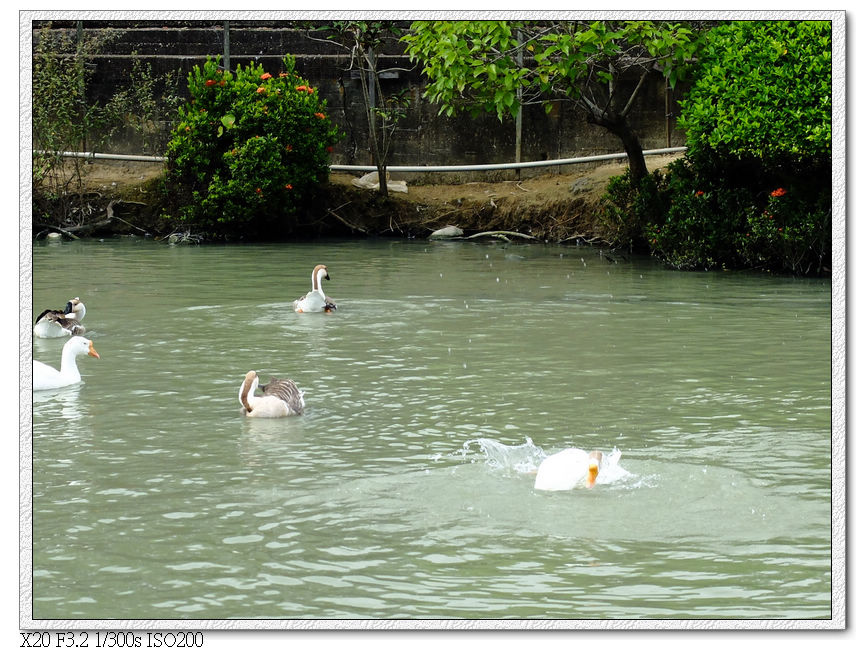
[70, 324]
[50, 314]
[57, 317]
[286, 390]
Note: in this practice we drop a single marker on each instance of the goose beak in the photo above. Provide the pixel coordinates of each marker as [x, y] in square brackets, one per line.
[593, 474]
[92, 351]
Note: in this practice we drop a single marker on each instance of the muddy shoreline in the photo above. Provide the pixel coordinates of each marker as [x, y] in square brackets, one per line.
[560, 206]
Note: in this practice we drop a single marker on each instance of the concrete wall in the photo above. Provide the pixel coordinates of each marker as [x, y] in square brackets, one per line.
[423, 138]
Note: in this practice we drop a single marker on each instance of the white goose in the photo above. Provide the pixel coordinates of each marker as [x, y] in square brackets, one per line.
[54, 323]
[281, 397]
[315, 300]
[567, 469]
[46, 378]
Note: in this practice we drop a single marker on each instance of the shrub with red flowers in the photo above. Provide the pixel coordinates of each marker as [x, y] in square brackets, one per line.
[695, 228]
[790, 234]
[754, 188]
[250, 149]
[737, 225]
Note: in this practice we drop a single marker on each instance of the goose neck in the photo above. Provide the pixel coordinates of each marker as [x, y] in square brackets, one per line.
[318, 273]
[247, 392]
[69, 364]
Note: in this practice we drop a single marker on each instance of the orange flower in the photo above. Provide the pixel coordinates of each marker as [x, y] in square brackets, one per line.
[222, 82]
[260, 89]
[210, 82]
[283, 74]
[699, 193]
[266, 75]
[320, 116]
[258, 190]
[779, 192]
[288, 186]
[300, 88]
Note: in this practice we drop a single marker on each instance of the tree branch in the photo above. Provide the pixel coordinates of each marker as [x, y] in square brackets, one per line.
[633, 96]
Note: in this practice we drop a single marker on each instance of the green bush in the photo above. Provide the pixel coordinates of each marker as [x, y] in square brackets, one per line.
[763, 89]
[627, 208]
[250, 149]
[698, 229]
[754, 188]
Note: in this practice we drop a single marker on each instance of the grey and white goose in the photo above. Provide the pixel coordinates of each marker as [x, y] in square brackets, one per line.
[55, 323]
[315, 300]
[281, 398]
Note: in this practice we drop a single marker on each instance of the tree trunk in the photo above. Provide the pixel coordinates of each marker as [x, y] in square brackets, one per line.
[366, 63]
[376, 154]
[618, 126]
[382, 180]
[636, 159]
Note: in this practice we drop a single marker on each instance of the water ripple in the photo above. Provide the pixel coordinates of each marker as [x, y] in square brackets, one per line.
[405, 490]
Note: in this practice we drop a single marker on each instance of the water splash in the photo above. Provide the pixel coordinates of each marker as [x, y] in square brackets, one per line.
[525, 459]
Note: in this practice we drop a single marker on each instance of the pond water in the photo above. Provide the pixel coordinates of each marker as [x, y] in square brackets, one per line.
[406, 491]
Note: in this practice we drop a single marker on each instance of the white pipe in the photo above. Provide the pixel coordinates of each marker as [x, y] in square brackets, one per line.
[104, 156]
[491, 167]
[408, 168]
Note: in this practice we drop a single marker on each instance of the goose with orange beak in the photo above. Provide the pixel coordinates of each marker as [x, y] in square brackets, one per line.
[567, 469]
[47, 378]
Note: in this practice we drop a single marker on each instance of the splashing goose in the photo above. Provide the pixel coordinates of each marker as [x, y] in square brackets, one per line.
[281, 398]
[315, 300]
[567, 469]
[54, 323]
[46, 378]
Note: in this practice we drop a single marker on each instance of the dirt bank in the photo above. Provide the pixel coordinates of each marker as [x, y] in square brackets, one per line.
[553, 206]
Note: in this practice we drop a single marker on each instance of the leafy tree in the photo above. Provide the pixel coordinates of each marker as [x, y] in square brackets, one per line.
[598, 66]
[365, 41]
[249, 148]
[755, 187]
